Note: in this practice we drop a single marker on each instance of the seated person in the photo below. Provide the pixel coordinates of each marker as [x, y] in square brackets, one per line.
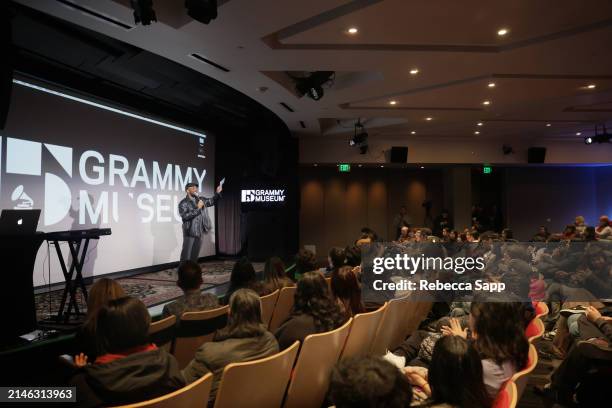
[244, 339]
[369, 382]
[305, 261]
[498, 335]
[275, 276]
[314, 311]
[454, 377]
[335, 259]
[193, 300]
[597, 331]
[346, 289]
[100, 293]
[242, 277]
[129, 369]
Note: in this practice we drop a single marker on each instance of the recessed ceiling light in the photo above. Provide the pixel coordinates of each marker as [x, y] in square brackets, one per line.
[413, 133]
[591, 86]
[392, 102]
[422, 167]
[491, 85]
[476, 132]
[429, 118]
[502, 31]
[352, 30]
[382, 165]
[359, 165]
[486, 103]
[315, 164]
[578, 133]
[414, 71]
[479, 123]
[548, 125]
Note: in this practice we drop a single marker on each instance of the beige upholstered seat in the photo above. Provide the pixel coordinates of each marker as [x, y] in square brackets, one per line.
[362, 333]
[310, 381]
[521, 377]
[267, 306]
[195, 329]
[258, 383]
[414, 313]
[283, 307]
[161, 332]
[193, 395]
[391, 328]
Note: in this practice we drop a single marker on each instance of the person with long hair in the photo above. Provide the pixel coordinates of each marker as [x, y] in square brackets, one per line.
[314, 311]
[100, 293]
[242, 276]
[347, 291]
[129, 368]
[274, 276]
[498, 335]
[245, 338]
[454, 377]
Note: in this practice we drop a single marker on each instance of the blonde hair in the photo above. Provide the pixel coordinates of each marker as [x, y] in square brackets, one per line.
[580, 220]
[101, 292]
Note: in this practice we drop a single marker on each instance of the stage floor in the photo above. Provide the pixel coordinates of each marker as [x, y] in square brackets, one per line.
[152, 288]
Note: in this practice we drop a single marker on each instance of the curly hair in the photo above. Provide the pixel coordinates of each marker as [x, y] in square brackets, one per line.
[500, 332]
[313, 298]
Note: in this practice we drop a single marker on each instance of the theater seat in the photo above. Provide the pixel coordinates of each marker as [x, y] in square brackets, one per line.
[258, 383]
[195, 329]
[161, 332]
[507, 397]
[521, 377]
[267, 306]
[535, 329]
[283, 307]
[391, 329]
[541, 309]
[310, 379]
[362, 333]
[195, 394]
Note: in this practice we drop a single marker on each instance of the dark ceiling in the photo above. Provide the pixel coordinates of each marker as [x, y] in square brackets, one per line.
[89, 62]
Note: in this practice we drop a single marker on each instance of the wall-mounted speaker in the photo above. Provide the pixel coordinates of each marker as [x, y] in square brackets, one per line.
[398, 154]
[536, 155]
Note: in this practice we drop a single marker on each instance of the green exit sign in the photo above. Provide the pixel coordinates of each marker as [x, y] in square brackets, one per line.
[344, 167]
[487, 169]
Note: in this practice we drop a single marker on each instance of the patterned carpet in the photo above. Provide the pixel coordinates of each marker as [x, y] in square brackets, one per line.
[152, 288]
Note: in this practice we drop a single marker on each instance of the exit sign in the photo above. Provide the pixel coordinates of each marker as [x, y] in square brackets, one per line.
[487, 169]
[344, 167]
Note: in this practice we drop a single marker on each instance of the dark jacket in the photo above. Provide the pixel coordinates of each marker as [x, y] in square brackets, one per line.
[196, 221]
[137, 377]
[212, 357]
[296, 328]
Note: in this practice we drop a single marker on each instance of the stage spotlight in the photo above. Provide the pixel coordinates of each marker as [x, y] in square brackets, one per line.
[312, 85]
[360, 138]
[143, 11]
[202, 10]
[604, 137]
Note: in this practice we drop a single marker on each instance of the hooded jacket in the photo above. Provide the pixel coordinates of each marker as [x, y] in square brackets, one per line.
[134, 378]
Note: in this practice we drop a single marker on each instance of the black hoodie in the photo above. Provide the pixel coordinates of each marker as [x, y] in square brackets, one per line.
[134, 378]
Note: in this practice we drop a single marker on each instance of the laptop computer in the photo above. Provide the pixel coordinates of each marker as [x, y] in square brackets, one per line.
[19, 222]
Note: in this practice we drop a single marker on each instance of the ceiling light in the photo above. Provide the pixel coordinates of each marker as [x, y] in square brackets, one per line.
[479, 123]
[578, 133]
[491, 85]
[382, 166]
[312, 85]
[414, 71]
[588, 140]
[486, 103]
[502, 31]
[352, 30]
[422, 167]
[393, 103]
[429, 118]
[359, 165]
[548, 125]
[413, 133]
[476, 132]
[591, 86]
[315, 164]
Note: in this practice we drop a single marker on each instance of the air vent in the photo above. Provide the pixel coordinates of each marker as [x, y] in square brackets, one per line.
[289, 108]
[95, 14]
[302, 124]
[209, 62]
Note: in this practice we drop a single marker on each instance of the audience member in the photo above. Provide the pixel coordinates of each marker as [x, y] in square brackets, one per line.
[369, 382]
[347, 291]
[336, 258]
[274, 276]
[243, 276]
[604, 230]
[305, 261]
[402, 219]
[244, 339]
[129, 369]
[442, 221]
[579, 225]
[314, 311]
[193, 300]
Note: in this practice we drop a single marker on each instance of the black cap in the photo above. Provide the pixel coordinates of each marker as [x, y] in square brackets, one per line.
[190, 185]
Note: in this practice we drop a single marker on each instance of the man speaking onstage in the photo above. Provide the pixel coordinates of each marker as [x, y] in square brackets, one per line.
[196, 221]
